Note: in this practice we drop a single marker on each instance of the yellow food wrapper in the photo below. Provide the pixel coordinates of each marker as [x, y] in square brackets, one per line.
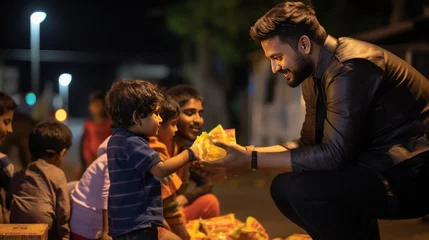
[193, 227]
[253, 230]
[219, 226]
[299, 237]
[207, 150]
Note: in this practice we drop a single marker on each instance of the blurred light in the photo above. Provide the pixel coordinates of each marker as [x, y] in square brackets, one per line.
[37, 17]
[30, 98]
[61, 115]
[57, 102]
[65, 79]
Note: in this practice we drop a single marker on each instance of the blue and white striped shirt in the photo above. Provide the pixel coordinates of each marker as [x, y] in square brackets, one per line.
[135, 194]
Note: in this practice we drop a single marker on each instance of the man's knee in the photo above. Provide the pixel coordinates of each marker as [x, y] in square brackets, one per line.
[289, 187]
[279, 187]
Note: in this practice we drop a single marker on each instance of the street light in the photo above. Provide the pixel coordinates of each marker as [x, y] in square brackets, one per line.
[64, 82]
[35, 19]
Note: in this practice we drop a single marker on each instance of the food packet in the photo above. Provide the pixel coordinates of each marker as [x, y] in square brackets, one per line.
[298, 237]
[253, 230]
[219, 226]
[207, 150]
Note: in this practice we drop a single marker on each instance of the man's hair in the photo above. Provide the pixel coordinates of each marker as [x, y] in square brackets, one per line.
[183, 93]
[6, 103]
[289, 21]
[169, 109]
[128, 96]
[97, 95]
[48, 139]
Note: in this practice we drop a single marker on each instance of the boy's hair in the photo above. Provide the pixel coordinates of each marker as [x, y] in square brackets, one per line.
[289, 21]
[169, 109]
[128, 96]
[97, 95]
[183, 93]
[6, 103]
[48, 139]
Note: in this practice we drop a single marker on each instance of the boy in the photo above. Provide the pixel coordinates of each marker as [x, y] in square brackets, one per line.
[39, 191]
[134, 202]
[7, 108]
[197, 199]
[163, 144]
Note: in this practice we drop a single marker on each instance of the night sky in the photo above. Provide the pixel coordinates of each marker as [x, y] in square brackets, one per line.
[118, 29]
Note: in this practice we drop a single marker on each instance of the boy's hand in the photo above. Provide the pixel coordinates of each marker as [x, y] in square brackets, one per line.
[105, 236]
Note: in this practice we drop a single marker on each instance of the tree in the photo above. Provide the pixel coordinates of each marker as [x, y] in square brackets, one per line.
[216, 42]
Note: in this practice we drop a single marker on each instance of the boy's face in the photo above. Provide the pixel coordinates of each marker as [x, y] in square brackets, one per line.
[191, 119]
[5, 125]
[150, 125]
[168, 129]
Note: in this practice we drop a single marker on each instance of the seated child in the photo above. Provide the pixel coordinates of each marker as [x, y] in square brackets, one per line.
[39, 191]
[134, 202]
[163, 144]
[7, 108]
[89, 219]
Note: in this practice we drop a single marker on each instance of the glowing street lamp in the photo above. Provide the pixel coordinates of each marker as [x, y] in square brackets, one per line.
[35, 19]
[64, 81]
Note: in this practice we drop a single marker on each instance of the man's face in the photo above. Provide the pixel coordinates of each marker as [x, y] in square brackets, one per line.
[294, 65]
[5, 125]
[191, 119]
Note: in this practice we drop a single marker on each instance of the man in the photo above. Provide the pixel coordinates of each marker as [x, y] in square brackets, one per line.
[363, 152]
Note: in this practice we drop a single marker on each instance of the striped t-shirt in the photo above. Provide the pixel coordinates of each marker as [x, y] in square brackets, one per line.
[135, 194]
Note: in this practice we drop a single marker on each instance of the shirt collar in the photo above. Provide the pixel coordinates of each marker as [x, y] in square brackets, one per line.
[326, 55]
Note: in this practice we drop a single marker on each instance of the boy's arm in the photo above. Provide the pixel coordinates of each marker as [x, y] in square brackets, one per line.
[62, 211]
[105, 229]
[104, 197]
[165, 168]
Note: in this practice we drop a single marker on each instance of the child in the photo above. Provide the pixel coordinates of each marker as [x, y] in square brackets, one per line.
[197, 199]
[173, 215]
[89, 219]
[96, 129]
[39, 191]
[7, 108]
[135, 204]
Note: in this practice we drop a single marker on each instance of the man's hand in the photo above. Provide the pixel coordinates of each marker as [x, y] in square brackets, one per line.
[236, 161]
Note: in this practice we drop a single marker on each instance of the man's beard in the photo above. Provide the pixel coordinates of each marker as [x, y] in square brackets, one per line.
[302, 72]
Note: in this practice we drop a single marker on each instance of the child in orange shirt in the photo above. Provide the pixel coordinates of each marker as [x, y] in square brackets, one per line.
[163, 144]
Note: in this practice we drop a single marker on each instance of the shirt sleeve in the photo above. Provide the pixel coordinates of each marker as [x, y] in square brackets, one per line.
[62, 210]
[159, 147]
[348, 97]
[106, 184]
[6, 172]
[142, 157]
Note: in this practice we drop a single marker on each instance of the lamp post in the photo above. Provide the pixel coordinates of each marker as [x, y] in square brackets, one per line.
[64, 82]
[35, 19]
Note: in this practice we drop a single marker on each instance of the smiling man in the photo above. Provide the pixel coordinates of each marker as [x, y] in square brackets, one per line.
[363, 152]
